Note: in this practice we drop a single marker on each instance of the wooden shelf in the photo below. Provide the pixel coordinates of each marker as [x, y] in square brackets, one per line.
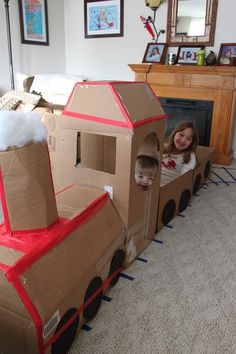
[211, 83]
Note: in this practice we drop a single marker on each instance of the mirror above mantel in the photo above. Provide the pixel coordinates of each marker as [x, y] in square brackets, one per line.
[191, 22]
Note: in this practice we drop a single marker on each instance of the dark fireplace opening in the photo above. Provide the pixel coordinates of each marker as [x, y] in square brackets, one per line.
[198, 111]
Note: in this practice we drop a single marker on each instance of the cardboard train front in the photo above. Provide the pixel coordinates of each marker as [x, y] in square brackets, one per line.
[60, 251]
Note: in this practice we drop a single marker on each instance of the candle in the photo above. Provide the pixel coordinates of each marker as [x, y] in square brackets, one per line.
[154, 3]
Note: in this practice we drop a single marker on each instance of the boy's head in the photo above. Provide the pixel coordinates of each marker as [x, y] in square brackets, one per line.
[145, 171]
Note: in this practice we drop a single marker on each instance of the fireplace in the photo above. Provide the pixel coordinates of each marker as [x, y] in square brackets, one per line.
[198, 111]
[210, 83]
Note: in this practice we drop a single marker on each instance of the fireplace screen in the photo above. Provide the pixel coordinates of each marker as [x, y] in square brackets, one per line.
[198, 111]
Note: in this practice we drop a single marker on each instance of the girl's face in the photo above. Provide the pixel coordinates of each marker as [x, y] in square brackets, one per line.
[183, 139]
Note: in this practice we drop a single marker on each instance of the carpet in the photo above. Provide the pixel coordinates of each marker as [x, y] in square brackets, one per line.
[182, 296]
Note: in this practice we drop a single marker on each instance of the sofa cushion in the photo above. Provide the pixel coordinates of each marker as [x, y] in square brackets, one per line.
[24, 101]
[55, 88]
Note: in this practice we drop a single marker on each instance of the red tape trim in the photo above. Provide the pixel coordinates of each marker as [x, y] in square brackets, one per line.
[149, 120]
[31, 309]
[122, 108]
[4, 205]
[55, 337]
[62, 230]
[96, 119]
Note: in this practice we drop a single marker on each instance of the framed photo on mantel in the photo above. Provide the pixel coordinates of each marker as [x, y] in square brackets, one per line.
[188, 55]
[155, 53]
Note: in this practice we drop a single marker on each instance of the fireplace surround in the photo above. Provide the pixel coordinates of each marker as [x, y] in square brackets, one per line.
[216, 84]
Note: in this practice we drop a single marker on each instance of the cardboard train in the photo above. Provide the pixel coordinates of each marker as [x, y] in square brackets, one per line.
[73, 215]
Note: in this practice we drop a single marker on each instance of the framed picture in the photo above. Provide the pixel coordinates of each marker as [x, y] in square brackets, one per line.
[188, 54]
[155, 53]
[227, 50]
[34, 21]
[103, 18]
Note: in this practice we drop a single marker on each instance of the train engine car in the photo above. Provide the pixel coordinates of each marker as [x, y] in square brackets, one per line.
[57, 254]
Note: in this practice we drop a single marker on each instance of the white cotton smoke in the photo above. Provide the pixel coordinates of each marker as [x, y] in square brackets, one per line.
[18, 128]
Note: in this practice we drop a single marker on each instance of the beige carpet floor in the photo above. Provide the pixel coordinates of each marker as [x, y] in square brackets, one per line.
[183, 300]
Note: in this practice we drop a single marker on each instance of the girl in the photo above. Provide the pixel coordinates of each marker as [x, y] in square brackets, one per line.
[178, 153]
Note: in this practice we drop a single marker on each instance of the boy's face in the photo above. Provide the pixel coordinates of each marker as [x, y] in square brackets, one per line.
[144, 178]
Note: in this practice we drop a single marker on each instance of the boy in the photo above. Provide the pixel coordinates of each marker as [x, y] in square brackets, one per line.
[145, 171]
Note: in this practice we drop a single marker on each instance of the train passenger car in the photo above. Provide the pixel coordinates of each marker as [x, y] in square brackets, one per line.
[176, 195]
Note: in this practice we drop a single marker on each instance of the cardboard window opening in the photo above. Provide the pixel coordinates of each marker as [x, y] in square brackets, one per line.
[97, 152]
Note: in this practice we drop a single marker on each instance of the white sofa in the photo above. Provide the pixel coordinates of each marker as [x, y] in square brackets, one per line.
[54, 89]
[42, 93]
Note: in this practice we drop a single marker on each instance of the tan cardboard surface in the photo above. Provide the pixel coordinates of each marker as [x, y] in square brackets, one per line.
[139, 101]
[173, 191]
[61, 279]
[94, 100]
[28, 187]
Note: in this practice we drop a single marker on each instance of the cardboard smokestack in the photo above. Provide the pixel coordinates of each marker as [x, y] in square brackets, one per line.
[26, 188]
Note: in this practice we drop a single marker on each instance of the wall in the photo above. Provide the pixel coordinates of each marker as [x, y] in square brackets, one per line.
[29, 59]
[98, 59]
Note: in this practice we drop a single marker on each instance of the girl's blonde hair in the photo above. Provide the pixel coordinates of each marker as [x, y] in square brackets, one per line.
[169, 146]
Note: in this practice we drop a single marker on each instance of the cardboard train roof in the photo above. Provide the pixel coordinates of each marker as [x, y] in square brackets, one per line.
[120, 104]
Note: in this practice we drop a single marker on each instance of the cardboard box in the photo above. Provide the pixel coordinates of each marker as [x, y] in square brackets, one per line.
[103, 129]
[47, 275]
[177, 194]
[27, 188]
[203, 168]
[174, 198]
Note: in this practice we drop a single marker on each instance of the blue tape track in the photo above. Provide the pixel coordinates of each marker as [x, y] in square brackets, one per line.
[86, 328]
[142, 259]
[157, 241]
[126, 276]
[107, 298]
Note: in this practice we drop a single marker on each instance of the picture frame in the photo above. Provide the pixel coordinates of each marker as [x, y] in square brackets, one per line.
[155, 53]
[188, 54]
[226, 52]
[34, 22]
[103, 18]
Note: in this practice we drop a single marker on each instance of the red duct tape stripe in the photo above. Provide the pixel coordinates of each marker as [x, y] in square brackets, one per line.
[71, 94]
[4, 267]
[4, 205]
[122, 108]
[149, 120]
[31, 310]
[64, 189]
[95, 119]
[81, 308]
[24, 240]
[59, 232]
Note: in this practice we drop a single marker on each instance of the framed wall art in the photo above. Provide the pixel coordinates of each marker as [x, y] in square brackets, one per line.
[155, 53]
[188, 55]
[34, 21]
[103, 18]
[227, 53]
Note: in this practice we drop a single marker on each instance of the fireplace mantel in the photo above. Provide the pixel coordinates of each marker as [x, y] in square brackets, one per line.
[212, 83]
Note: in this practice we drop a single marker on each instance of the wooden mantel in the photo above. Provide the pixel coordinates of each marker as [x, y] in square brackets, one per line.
[216, 83]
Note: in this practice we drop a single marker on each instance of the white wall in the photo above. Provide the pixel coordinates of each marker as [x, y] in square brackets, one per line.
[29, 59]
[100, 58]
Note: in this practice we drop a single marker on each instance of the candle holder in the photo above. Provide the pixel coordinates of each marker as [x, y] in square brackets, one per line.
[149, 22]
